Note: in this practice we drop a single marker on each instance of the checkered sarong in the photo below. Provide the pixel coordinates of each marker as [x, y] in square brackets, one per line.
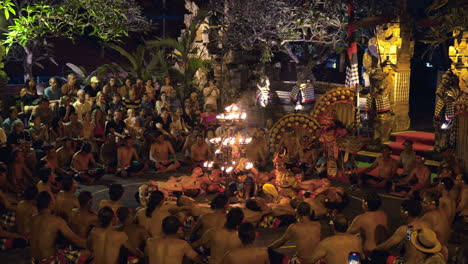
[449, 111]
[382, 104]
[439, 107]
[295, 260]
[305, 95]
[270, 221]
[6, 243]
[8, 219]
[63, 257]
[352, 76]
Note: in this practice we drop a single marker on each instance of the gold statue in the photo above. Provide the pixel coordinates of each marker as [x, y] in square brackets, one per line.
[378, 103]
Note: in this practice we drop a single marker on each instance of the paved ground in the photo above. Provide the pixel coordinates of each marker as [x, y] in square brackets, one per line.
[390, 205]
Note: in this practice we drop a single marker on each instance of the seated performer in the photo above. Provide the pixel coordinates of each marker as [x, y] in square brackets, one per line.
[200, 151]
[387, 170]
[159, 154]
[83, 219]
[128, 161]
[116, 192]
[26, 209]
[222, 239]
[81, 165]
[66, 199]
[417, 180]
[45, 229]
[170, 248]
[106, 242]
[306, 233]
[247, 253]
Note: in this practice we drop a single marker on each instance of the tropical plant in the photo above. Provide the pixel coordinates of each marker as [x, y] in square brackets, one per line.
[145, 63]
[102, 72]
[448, 20]
[185, 55]
[8, 8]
[37, 23]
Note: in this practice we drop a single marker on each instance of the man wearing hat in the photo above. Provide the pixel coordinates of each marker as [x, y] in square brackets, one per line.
[412, 210]
[93, 88]
[430, 249]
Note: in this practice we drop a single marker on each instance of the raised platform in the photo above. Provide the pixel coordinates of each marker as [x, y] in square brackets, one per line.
[423, 144]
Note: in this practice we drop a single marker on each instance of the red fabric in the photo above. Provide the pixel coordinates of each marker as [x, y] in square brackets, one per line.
[422, 141]
[417, 137]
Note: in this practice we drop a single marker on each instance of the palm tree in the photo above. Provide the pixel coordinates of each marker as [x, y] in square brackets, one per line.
[185, 55]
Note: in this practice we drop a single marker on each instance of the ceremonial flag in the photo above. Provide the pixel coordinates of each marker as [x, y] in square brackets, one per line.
[352, 72]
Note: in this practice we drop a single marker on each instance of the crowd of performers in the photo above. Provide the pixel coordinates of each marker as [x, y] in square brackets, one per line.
[73, 135]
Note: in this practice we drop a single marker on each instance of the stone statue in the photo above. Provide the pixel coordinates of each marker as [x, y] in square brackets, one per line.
[263, 92]
[378, 104]
[211, 94]
[444, 115]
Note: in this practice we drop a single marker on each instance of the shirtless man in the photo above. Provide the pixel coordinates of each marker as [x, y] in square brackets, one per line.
[26, 209]
[83, 219]
[45, 229]
[152, 216]
[255, 210]
[159, 154]
[126, 157]
[200, 151]
[462, 207]
[45, 183]
[106, 243]
[222, 239]
[137, 235]
[247, 253]
[372, 224]
[116, 192]
[387, 170]
[21, 173]
[255, 152]
[51, 160]
[412, 211]
[449, 196]
[66, 200]
[82, 163]
[417, 180]
[65, 153]
[170, 248]
[216, 219]
[436, 216]
[317, 204]
[306, 232]
[407, 157]
[328, 248]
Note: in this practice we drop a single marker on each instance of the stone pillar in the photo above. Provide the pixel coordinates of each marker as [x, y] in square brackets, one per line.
[396, 50]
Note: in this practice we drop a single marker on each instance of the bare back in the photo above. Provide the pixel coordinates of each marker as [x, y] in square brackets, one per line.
[212, 220]
[155, 228]
[307, 236]
[372, 226]
[64, 204]
[221, 240]
[24, 212]
[247, 255]
[106, 244]
[335, 249]
[44, 231]
[168, 250]
[81, 221]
